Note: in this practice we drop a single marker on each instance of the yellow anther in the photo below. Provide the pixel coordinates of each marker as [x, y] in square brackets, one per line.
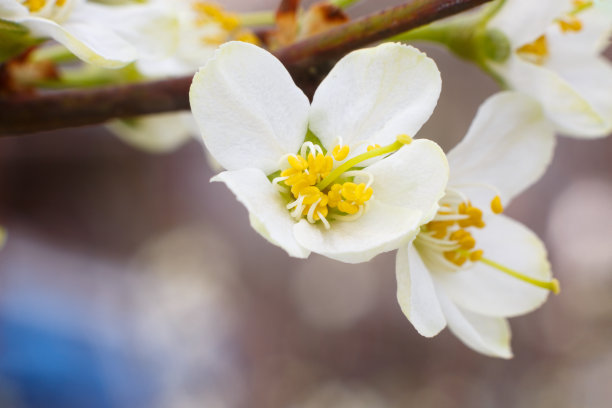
[457, 235]
[340, 152]
[455, 257]
[334, 195]
[580, 4]
[229, 21]
[60, 3]
[475, 256]
[298, 162]
[372, 147]
[247, 37]
[35, 5]
[496, 205]
[404, 139]
[569, 24]
[348, 207]
[536, 51]
[467, 242]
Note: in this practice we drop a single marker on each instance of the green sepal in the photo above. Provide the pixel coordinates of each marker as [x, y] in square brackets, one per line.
[15, 39]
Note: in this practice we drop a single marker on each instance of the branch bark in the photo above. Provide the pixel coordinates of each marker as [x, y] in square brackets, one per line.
[308, 61]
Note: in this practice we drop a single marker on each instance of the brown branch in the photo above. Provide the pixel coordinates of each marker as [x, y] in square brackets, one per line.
[307, 60]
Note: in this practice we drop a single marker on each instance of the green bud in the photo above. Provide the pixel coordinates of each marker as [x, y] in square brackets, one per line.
[494, 45]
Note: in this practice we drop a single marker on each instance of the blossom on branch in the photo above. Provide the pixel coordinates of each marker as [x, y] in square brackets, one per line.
[471, 267]
[197, 29]
[555, 58]
[340, 177]
[81, 27]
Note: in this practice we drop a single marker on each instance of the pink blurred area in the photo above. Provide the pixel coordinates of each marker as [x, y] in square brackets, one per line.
[140, 256]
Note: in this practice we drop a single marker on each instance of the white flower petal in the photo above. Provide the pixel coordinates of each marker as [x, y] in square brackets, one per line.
[591, 77]
[485, 290]
[592, 38]
[486, 335]
[525, 20]
[149, 27]
[374, 94]
[416, 293]
[91, 43]
[248, 109]
[167, 67]
[509, 146]
[414, 177]
[266, 207]
[382, 228]
[159, 133]
[570, 112]
[11, 9]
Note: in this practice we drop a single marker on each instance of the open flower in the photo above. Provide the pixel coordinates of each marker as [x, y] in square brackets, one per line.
[78, 25]
[340, 177]
[555, 58]
[471, 267]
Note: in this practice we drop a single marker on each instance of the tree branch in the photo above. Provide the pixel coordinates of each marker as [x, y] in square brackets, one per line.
[308, 61]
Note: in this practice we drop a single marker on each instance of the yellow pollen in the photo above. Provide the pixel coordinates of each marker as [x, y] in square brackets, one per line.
[536, 51]
[569, 24]
[313, 202]
[496, 205]
[340, 152]
[247, 37]
[372, 147]
[35, 5]
[476, 255]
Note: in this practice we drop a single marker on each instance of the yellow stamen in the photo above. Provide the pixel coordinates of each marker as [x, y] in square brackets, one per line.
[35, 5]
[340, 152]
[401, 141]
[552, 285]
[476, 255]
[569, 24]
[536, 51]
[372, 147]
[496, 205]
[247, 37]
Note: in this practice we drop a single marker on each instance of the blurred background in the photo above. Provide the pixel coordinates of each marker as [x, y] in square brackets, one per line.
[129, 280]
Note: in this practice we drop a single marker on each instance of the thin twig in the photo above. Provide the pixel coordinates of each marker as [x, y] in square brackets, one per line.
[308, 61]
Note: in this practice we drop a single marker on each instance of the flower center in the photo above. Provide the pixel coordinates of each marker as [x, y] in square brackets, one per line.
[536, 52]
[321, 185]
[36, 5]
[447, 243]
[208, 14]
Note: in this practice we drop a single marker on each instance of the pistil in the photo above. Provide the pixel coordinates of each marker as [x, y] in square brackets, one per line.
[338, 171]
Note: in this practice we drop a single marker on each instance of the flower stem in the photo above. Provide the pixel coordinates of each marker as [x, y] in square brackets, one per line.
[257, 18]
[343, 3]
[552, 285]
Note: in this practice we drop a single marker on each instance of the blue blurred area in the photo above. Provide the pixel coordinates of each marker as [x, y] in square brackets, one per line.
[43, 366]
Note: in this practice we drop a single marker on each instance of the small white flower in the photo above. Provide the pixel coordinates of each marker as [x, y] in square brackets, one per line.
[79, 25]
[343, 204]
[470, 269]
[188, 37]
[555, 58]
[198, 28]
